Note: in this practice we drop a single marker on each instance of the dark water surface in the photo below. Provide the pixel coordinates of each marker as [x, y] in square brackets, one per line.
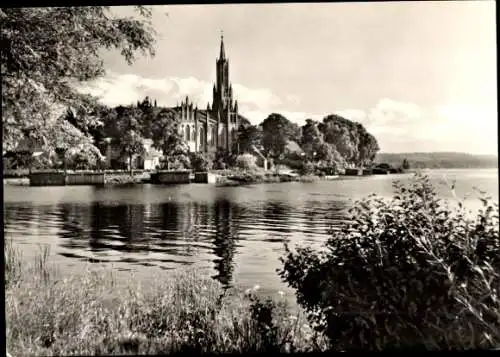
[235, 234]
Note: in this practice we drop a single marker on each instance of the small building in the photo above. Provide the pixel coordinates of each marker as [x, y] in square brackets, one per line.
[151, 158]
[148, 161]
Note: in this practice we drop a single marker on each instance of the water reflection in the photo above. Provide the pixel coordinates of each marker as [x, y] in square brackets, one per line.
[234, 234]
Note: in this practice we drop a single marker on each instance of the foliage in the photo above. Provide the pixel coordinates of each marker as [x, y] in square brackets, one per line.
[311, 139]
[83, 157]
[350, 139]
[249, 137]
[404, 273]
[406, 164]
[223, 159]
[307, 169]
[246, 161]
[46, 53]
[130, 142]
[12, 264]
[277, 131]
[96, 313]
[200, 162]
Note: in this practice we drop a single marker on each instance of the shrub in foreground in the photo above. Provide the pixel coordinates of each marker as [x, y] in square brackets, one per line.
[404, 273]
[95, 313]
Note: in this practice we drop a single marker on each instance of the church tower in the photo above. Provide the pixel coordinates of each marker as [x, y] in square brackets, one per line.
[224, 109]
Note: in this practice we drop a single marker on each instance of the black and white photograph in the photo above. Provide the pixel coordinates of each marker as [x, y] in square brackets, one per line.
[250, 178]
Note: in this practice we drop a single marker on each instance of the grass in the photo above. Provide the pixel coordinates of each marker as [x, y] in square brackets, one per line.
[49, 314]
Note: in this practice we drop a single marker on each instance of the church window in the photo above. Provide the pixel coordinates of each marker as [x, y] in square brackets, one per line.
[214, 134]
[188, 132]
[223, 138]
[193, 135]
[202, 136]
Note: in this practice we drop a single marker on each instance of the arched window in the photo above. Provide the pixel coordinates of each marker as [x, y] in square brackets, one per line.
[223, 138]
[188, 133]
[193, 135]
[202, 137]
[214, 135]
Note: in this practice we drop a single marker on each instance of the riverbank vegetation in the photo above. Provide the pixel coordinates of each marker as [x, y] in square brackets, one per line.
[93, 314]
[409, 272]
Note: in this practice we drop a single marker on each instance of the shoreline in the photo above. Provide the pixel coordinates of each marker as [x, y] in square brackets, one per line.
[233, 178]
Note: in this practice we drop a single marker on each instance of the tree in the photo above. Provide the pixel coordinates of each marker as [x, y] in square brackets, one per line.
[277, 131]
[350, 139]
[200, 162]
[166, 137]
[406, 164]
[311, 139]
[131, 142]
[248, 137]
[47, 52]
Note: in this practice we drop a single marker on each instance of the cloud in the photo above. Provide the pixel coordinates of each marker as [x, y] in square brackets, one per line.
[398, 125]
[115, 89]
[403, 126]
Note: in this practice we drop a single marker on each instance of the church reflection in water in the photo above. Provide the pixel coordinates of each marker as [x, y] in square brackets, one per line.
[133, 232]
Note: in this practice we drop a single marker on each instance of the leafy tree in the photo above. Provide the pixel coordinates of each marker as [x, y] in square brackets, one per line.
[83, 157]
[131, 142]
[350, 139]
[367, 148]
[200, 162]
[311, 139]
[47, 52]
[248, 137]
[166, 137]
[406, 164]
[277, 131]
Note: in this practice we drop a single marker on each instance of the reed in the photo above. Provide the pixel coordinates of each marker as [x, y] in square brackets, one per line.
[50, 314]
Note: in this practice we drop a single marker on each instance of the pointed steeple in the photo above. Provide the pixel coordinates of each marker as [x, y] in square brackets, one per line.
[222, 54]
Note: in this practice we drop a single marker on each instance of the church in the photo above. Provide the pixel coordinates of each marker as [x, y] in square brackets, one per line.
[204, 130]
[215, 127]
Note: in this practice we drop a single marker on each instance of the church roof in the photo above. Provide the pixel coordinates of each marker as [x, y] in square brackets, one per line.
[222, 54]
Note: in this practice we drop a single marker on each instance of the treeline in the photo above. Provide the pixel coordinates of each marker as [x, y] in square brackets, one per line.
[436, 160]
[49, 51]
[335, 141]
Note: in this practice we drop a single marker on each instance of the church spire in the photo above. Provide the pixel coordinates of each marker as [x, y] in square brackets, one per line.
[222, 52]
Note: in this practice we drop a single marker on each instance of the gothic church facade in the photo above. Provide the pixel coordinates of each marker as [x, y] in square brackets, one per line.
[215, 127]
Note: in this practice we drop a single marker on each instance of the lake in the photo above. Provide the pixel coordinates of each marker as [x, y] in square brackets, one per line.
[235, 234]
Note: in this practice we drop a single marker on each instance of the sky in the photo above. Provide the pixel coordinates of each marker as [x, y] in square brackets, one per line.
[420, 76]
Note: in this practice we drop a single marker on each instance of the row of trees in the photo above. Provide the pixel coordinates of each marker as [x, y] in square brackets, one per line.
[46, 52]
[334, 141]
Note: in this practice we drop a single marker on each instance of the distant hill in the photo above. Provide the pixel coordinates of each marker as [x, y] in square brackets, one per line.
[445, 160]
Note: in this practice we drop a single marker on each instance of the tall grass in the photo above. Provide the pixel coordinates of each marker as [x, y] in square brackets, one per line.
[49, 314]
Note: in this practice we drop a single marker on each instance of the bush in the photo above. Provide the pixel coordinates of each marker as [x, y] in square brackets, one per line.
[293, 164]
[246, 161]
[308, 169]
[403, 273]
[200, 162]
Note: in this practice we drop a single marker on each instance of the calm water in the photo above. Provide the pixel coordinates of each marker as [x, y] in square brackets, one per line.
[235, 234]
